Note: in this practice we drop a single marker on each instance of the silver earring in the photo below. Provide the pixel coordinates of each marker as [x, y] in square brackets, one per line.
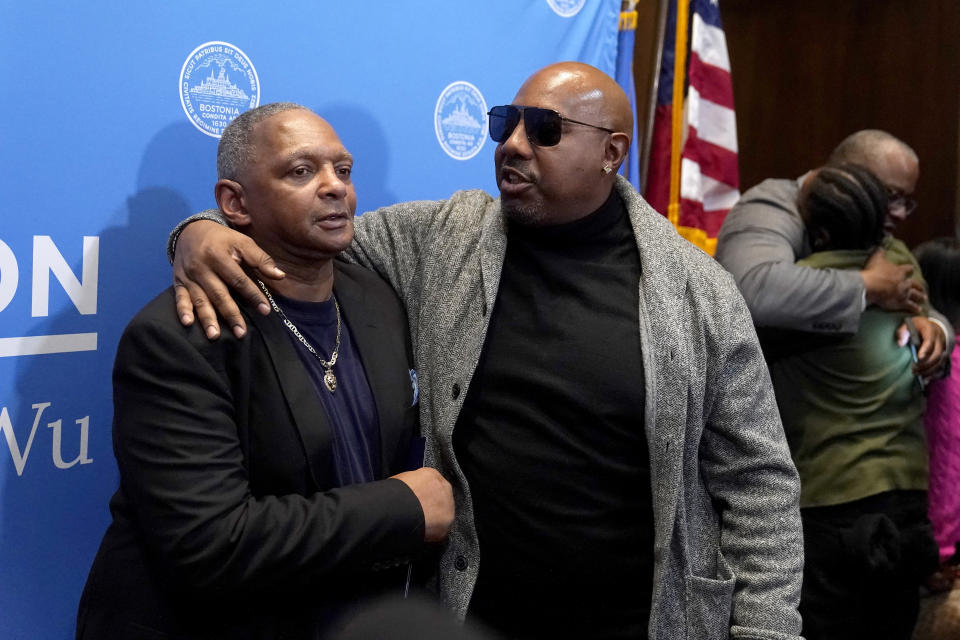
[607, 168]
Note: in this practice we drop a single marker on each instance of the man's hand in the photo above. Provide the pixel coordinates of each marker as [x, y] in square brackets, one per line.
[890, 286]
[930, 360]
[436, 499]
[209, 259]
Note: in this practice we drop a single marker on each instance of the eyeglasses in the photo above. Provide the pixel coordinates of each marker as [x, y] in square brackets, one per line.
[899, 200]
[543, 126]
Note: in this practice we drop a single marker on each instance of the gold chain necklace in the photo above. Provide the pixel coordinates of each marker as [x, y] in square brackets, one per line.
[329, 380]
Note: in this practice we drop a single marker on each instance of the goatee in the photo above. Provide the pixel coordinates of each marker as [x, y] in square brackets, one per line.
[528, 216]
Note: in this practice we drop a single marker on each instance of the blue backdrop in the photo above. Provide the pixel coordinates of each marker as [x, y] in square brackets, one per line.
[108, 138]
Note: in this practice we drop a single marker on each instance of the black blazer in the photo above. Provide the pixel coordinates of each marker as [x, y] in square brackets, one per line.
[226, 523]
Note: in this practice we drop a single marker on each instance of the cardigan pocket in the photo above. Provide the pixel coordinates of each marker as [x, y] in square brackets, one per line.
[709, 603]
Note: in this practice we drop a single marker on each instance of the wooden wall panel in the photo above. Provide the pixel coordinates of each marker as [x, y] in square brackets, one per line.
[808, 72]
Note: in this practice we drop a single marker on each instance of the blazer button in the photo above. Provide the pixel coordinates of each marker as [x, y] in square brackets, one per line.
[456, 391]
[460, 564]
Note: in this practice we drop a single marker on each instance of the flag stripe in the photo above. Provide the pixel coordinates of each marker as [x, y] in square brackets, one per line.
[657, 189]
[712, 81]
[716, 123]
[716, 162]
[709, 43]
[698, 186]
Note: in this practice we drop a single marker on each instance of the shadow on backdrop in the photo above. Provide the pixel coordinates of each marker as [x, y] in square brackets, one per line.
[364, 137]
[52, 519]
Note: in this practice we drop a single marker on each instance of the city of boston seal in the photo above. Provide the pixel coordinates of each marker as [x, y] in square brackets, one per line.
[217, 83]
[566, 8]
[460, 120]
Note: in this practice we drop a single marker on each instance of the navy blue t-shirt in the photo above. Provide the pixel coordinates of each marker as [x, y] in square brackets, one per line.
[350, 409]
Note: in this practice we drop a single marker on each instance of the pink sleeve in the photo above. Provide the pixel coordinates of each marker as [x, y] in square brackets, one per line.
[942, 420]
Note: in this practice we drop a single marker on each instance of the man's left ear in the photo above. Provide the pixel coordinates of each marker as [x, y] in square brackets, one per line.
[616, 150]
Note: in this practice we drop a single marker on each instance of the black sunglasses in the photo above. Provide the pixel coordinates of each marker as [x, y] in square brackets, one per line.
[543, 126]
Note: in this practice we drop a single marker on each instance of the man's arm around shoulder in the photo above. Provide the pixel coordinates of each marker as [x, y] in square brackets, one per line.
[758, 244]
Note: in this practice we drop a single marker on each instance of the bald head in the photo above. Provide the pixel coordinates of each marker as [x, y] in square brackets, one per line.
[866, 146]
[890, 159]
[586, 91]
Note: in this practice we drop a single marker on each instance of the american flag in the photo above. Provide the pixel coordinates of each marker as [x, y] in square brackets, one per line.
[693, 177]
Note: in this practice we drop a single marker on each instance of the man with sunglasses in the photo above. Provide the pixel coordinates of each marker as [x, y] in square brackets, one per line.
[763, 236]
[591, 386]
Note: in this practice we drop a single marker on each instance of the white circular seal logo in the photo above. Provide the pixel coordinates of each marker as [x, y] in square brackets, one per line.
[217, 83]
[460, 120]
[566, 8]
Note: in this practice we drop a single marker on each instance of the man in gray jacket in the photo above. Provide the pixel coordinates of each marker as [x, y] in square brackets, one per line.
[763, 236]
[591, 384]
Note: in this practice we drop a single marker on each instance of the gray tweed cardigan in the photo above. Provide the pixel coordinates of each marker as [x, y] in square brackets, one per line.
[728, 545]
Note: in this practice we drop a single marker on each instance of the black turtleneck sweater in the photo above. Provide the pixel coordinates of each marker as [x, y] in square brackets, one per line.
[551, 437]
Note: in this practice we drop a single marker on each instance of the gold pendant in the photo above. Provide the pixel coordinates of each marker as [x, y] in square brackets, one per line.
[330, 380]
